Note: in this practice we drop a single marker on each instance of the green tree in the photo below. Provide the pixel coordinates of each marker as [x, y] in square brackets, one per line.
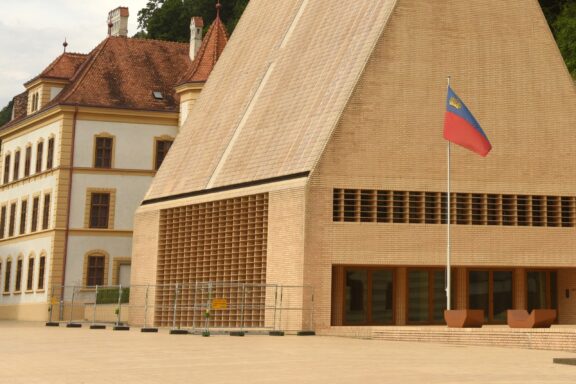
[6, 113]
[565, 31]
[170, 19]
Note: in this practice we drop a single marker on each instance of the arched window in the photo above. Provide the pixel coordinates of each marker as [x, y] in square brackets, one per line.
[41, 271]
[19, 265]
[39, 156]
[50, 154]
[30, 276]
[7, 275]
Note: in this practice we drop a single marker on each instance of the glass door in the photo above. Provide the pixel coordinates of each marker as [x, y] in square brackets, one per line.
[426, 296]
[368, 296]
[491, 291]
[542, 290]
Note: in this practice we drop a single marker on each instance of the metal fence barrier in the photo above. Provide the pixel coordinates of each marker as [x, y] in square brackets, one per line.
[198, 308]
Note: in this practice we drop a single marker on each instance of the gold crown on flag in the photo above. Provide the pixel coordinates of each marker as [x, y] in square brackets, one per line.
[455, 103]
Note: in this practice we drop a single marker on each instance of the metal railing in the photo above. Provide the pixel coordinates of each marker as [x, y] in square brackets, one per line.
[199, 307]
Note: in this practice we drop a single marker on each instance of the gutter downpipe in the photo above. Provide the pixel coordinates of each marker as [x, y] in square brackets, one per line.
[68, 208]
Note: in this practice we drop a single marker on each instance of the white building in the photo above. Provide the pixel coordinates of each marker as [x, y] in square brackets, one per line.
[84, 142]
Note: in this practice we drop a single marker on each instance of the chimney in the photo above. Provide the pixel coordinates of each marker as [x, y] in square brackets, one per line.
[118, 22]
[196, 25]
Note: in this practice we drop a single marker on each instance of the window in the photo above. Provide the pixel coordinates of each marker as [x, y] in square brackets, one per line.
[522, 209]
[366, 206]
[349, 205]
[398, 207]
[99, 210]
[493, 210]
[30, 279]
[431, 208]
[35, 102]
[41, 272]
[39, 155]
[16, 175]
[2, 222]
[23, 212]
[508, 214]
[374, 206]
[18, 286]
[538, 210]
[35, 206]
[46, 214]
[28, 161]
[462, 208]
[7, 275]
[12, 222]
[50, 158]
[567, 211]
[337, 205]
[95, 272]
[477, 209]
[162, 148]
[103, 152]
[416, 207]
[383, 207]
[6, 169]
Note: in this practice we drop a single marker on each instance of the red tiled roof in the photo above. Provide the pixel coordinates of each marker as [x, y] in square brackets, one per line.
[124, 73]
[119, 73]
[64, 67]
[212, 46]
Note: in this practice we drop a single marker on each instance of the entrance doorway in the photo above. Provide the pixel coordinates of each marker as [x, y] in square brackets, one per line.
[542, 290]
[426, 296]
[366, 295]
[491, 291]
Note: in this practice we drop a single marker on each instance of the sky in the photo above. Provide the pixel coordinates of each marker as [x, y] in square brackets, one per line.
[32, 33]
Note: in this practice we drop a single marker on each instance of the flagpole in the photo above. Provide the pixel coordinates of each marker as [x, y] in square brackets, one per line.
[448, 256]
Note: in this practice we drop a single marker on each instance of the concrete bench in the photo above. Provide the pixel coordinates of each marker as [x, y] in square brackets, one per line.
[464, 318]
[538, 318]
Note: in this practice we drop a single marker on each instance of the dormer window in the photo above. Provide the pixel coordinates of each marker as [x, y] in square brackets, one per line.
[35, 102]
[158, 95]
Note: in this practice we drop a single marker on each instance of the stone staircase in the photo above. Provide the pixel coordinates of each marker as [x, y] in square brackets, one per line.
[557, 338]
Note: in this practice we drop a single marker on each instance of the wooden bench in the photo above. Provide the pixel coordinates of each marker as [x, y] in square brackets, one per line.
[538, 318]
[464, 318]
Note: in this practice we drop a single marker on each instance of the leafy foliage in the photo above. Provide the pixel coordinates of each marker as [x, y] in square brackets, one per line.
[170, 19]
[6, 113]
[110, 296]
[565, 30]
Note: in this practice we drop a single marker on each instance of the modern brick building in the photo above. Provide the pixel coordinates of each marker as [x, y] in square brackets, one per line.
[315, 157]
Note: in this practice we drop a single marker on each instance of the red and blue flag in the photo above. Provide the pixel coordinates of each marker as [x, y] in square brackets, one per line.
[460, 126]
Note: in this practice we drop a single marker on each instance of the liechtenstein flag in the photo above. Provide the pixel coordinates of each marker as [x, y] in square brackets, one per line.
[461, 128]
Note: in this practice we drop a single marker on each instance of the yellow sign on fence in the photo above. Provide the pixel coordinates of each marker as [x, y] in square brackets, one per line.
[219, 304]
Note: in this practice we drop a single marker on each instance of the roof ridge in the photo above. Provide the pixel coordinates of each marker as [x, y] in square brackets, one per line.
[81, 72]
[155, 40]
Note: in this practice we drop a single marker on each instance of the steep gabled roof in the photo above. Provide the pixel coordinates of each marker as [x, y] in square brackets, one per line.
[124, 73]
[63, 68]
[212, 47]
[275, 95]
[119, 73]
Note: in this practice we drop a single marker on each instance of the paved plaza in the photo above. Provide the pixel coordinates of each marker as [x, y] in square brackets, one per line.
[31, 353]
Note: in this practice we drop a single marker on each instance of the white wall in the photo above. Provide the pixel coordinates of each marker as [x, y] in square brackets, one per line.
[130, 191]
[133, 143]
[78, 246]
